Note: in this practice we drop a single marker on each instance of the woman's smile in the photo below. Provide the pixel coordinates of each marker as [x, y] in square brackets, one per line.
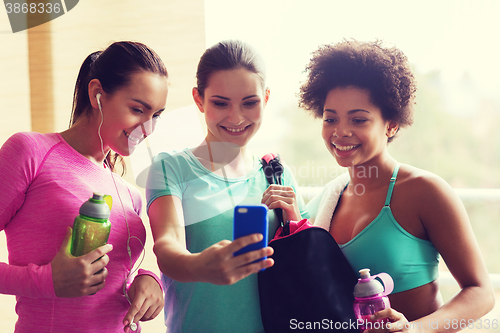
[133, 137]
[235, 130]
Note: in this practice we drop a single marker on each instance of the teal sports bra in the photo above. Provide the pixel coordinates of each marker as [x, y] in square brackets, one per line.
[384, 246]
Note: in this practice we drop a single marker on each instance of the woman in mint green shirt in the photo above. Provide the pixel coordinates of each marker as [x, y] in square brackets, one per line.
[192, 193]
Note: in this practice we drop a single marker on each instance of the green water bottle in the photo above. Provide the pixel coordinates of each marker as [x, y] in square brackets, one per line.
[91, 228]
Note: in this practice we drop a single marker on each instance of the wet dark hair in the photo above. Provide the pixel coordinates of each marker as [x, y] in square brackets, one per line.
[114, 68]
[227, 55]
[383, 71]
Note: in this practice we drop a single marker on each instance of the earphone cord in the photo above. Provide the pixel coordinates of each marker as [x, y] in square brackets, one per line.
[129, 251]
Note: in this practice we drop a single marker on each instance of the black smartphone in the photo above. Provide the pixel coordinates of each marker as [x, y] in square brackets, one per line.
[251, 219]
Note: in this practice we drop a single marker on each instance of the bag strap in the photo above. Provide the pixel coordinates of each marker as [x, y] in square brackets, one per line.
[273, 170]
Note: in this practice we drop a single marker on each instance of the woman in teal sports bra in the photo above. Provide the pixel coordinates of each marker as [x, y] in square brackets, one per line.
[387, 216]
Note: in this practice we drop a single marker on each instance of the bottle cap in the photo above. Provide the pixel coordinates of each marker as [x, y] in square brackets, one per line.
[368, 286]
[96, 207]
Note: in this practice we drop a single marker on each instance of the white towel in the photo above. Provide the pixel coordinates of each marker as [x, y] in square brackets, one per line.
[328, 200]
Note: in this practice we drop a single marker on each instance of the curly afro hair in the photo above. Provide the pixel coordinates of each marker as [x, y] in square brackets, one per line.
[384, 72]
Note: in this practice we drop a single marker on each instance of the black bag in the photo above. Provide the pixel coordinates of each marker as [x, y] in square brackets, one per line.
[311, 284]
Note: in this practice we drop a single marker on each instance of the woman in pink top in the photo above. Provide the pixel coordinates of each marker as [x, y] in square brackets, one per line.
[119, 94]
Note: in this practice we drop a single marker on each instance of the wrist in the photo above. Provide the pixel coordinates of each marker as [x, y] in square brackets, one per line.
[144, 272]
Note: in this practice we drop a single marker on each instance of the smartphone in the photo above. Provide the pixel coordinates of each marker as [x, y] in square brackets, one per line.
[251, 219]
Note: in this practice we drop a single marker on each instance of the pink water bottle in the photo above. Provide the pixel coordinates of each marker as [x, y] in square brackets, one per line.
[371, 297]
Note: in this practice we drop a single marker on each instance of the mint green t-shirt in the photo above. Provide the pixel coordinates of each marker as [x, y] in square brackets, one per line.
[208, 202]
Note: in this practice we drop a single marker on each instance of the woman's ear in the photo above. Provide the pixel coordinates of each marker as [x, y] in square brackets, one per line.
[266, 96]
[198, 99]
[94, 88]
[392, 128]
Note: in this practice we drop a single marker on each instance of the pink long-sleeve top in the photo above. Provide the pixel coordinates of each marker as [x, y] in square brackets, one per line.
[43, 182]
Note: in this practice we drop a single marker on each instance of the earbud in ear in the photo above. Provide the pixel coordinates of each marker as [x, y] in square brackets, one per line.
[98, 97]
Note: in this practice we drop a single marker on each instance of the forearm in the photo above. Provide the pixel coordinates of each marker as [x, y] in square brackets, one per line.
[174, 260]
[30, 281]
[462, 310]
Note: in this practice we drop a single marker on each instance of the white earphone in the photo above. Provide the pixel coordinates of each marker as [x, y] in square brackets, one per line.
[133, 326]
[98, 96]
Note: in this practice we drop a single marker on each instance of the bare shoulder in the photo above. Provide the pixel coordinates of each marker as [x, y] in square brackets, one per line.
[432, 199]
[421, 184]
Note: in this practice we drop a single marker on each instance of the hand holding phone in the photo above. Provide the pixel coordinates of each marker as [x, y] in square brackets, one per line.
[251, 219]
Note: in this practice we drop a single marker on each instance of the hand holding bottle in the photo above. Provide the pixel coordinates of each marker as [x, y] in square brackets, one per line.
[395, 321]
[370, 297]
[76, 276]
